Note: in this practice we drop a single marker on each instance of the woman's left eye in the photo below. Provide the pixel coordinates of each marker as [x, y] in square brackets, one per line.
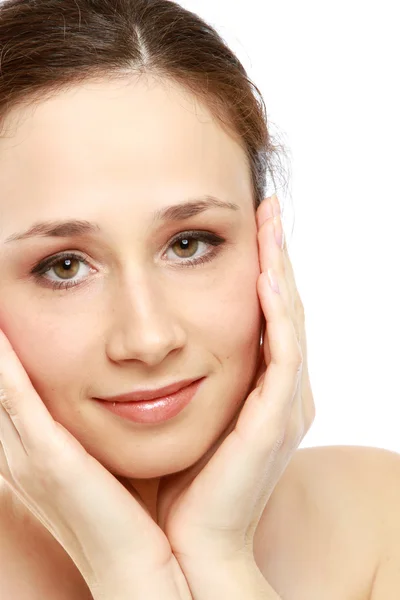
[187, 246]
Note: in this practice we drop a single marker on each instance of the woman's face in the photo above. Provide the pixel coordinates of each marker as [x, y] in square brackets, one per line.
[140, 315]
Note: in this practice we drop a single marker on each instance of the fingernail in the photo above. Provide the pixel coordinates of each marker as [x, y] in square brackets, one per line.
[264, 212]
[269, 211]
[279, 235]
[273, 281]
[276, 206]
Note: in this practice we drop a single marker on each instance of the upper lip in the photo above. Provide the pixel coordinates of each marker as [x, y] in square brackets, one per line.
[150, 394]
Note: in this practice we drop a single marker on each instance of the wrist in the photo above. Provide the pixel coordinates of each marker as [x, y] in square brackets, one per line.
[149, 584]
[130, 590]
[236, 579]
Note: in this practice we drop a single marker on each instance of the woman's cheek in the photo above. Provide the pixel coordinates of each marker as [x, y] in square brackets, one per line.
[50, 354]
[238, 315]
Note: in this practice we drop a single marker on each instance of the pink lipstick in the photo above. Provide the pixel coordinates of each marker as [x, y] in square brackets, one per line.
[155, 410]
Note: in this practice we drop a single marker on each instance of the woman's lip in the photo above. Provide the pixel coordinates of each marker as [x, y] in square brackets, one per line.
[146, 395]
[157, 410]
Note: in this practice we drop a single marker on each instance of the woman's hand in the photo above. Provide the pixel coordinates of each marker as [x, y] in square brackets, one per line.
[118, 548]
[210, 511]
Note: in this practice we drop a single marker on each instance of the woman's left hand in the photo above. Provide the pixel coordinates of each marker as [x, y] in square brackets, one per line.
[210, 511]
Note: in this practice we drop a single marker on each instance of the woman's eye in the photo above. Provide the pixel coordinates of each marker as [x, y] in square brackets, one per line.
[186, 247]
[69, 269]
[65, 268]
[194, 247]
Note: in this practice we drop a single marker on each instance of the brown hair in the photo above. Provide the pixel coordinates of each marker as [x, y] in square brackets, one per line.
[48, 45]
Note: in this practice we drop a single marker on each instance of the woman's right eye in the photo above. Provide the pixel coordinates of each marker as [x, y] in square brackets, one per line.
[62, 265]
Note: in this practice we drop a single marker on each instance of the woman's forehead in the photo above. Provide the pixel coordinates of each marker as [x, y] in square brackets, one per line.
[129, 143]
[138, 128]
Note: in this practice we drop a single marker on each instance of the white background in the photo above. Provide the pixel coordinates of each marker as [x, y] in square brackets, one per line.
[330, 77]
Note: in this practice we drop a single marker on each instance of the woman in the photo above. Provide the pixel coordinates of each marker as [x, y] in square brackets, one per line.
[138, 252]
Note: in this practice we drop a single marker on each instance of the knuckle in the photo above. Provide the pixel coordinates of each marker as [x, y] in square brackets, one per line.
[263, 227]
[295, 360]
[8, 399]
[278, 443]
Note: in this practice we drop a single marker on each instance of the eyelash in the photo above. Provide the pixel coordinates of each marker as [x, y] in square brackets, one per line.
[203, 236]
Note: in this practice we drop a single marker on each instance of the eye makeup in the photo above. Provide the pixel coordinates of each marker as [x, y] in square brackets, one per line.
[41, 270]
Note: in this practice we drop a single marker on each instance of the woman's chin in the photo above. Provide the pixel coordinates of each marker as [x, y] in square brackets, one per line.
[170, 460]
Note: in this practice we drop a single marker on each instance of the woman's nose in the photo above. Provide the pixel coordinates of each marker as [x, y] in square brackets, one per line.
[143, 327]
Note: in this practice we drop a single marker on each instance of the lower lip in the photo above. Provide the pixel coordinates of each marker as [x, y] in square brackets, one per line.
[154, 411]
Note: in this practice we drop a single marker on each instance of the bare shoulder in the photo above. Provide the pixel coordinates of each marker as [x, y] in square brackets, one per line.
[331, 521]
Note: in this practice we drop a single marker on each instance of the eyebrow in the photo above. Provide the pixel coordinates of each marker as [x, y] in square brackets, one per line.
[76, 228]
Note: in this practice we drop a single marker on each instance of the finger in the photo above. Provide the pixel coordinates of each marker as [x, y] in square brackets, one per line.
[292, 286]
[272, 400]
[295, 306]
[29, 426]
[10, 444]
[298, 317]
[274, 258]
[287, 269]
[297, 422]
[12, 452]
[279, 459]
[269, 251]
[278, 259]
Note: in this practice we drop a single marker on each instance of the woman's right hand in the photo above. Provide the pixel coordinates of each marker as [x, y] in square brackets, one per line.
[118, 548]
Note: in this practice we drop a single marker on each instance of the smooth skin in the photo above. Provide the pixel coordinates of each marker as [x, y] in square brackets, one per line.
[154, 318]
[113, 154]
[205, 513]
